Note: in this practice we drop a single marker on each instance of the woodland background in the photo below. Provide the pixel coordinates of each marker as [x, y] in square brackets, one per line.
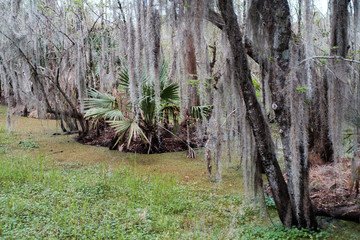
[221, 74]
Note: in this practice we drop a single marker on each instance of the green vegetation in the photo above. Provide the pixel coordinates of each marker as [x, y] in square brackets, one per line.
[28, 144]
[279, 232]
[108, 107]
[302, 89]
[44, 199]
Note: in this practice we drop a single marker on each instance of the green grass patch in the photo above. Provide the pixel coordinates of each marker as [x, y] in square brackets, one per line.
[2, 129]
[44, 199]
[40, 199]
[28, 144]
[278, 232]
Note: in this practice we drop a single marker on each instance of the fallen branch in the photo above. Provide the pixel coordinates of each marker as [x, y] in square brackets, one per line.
[330, 57]
[348, 213]
[192, 153]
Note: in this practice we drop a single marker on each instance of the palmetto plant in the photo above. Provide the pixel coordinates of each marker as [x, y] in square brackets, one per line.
[201, 112]
[103, 105]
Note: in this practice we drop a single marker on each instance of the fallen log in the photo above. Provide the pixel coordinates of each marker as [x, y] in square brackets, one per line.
[348, 213]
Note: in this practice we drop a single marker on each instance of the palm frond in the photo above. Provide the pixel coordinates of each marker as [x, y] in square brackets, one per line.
[99, 100]
[129, 127]
[114, 114]
[163, 74]
[170, 93]
[147, 105]
[201, 112]
[124, 78]
[106, 113]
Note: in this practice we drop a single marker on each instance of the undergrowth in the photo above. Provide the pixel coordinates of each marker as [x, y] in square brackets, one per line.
[40, 199]
[43, 199]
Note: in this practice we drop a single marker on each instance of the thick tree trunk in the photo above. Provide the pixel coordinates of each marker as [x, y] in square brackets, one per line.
[327, 108]
[336, 88]
[191, 69]
[193, 98]
[320, 145]
[255, 115]
[271, 18]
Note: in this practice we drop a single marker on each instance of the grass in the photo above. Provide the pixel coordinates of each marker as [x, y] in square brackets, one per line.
[40, 199]
[44, 196]
[43, 199]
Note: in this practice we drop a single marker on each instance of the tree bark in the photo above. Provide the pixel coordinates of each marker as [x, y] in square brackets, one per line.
[272, 17]
[255, 115]
[348, 213]
[320, 145]
[326, 118]
[191, 68]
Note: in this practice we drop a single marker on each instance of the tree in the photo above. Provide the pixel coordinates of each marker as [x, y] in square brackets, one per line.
[258, 122]
[278, 29]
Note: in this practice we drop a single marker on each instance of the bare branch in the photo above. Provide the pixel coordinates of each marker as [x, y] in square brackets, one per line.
[121, 10]
[215, 18]
[330, 57]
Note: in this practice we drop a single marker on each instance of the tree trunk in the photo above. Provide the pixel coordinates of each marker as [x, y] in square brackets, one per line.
[273, 19]
[348, 213]
[255, 115]
[327, 108]
[191, 68]
[336, 88]
[320, 145]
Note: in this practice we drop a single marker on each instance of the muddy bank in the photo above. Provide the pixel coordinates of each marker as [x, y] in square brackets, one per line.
[172, 140]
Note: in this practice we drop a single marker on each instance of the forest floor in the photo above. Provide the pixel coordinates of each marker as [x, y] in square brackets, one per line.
[330, 191]
[53, 187]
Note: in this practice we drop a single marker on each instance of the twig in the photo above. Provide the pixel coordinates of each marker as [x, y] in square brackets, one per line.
[227, 117]
[332, 72]
[177, 137]
[54, 153]
[330, 57]
[55, 27]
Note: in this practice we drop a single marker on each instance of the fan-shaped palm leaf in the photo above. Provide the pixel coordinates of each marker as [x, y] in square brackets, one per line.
[124, 78]
[170, 93]
[129, 127]
[99, 100]
[106, 113]
[201, 112]
[163, 74]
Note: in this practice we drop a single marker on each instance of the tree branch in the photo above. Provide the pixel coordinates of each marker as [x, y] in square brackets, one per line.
[121, 10]
[216, 19]
[330, 57]
[33, 69]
